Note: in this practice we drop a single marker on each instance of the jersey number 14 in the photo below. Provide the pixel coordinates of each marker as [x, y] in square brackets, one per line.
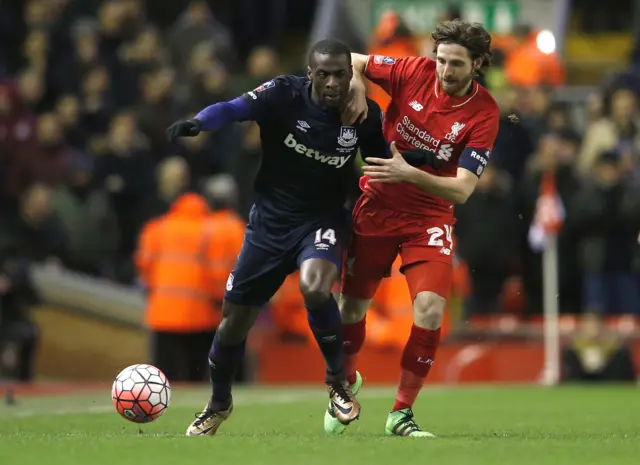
[328, 235]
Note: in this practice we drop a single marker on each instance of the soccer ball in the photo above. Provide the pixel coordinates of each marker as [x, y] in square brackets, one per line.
[141, 393]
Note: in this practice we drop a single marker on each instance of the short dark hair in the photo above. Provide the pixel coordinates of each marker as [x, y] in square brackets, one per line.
[472, 36]
[330, 47]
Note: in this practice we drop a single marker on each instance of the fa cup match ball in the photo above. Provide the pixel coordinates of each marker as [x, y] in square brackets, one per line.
[141, 393]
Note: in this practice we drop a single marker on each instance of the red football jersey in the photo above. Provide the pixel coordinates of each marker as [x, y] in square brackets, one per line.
[422, 116]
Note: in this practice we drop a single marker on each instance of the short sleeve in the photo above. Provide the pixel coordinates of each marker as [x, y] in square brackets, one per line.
[484, 134]
[477, 152]
[391, 73]
[268, 97]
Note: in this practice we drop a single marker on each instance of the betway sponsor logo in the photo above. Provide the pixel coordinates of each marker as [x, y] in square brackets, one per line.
[337, 161]
[415, 136]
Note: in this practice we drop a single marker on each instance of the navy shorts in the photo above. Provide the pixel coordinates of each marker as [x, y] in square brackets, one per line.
[267, 258]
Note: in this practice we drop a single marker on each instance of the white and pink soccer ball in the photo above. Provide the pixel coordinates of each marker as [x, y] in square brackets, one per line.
[141, 393]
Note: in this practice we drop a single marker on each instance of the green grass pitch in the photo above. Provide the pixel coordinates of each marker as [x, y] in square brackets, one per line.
[475, 426]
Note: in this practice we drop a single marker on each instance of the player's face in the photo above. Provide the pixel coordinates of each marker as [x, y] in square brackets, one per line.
[330, 76]
[455, 68]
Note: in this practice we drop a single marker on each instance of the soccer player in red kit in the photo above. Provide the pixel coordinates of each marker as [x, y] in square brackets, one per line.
[439, 111]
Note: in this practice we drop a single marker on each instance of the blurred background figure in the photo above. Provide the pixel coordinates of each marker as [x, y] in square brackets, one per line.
[391, 38]
[33, 236]
[597, 355]
[184, 259]
[175, 262]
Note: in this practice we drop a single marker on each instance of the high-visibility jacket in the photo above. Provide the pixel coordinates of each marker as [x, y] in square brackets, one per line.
[527, 66]
[396, 48]
[181, 258]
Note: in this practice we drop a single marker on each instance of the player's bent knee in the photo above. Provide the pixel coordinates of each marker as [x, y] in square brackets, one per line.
[353, 310]
[314, 293]
[237, 321]
[428, 310]
[316, 281]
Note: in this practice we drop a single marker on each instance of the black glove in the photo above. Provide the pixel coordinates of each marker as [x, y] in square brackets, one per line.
[183, 128]
[418, 158]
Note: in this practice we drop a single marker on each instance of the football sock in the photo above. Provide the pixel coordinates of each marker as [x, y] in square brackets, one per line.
[324, 321]
[417, 358]
[353, 335]
[224, 361]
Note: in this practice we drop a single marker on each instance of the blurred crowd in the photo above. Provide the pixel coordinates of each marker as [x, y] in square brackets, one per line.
[88, 90]
[90, 86]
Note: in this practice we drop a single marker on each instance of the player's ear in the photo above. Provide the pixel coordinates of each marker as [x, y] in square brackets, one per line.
[477, 64]
[309, 72]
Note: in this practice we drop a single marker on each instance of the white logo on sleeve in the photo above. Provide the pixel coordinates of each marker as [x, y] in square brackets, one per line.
[230, 282]
[382, 60]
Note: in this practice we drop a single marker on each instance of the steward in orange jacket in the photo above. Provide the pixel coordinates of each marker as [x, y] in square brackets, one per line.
[391, 38]
[184, 259]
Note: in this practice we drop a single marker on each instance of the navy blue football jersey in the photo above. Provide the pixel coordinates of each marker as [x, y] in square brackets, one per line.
[307, 153]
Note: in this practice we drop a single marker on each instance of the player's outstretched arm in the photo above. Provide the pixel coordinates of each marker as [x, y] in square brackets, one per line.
[210, 119]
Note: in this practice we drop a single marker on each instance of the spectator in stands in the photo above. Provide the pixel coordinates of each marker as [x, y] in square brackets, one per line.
[597, 355]
[67, 111]
[32, 88]
[208, 153]
[97, 98]
[83, 55]
[514, 143]
[617, 131]
[125, 170]
[36, 50]
[605, 211]
[172, 180]
[197, 24]
[89, 221]
[262, 64]
[142, 55]
[487, 231]
[155, 110]
[33, 236]
[50, 157]
[17, 131]
[210, 86]
[550, 158]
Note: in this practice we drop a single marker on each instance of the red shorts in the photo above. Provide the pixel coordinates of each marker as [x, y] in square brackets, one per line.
[425, 245]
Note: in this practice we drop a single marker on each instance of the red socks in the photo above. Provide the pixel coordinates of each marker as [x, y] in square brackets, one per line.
[417, 358]
[353, 336]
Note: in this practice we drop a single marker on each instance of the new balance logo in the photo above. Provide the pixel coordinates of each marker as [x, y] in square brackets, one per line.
[415, 105]
[303, 126]
[337, 161]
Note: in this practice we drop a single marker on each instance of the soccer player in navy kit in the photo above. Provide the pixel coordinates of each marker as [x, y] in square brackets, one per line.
[298, 219]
